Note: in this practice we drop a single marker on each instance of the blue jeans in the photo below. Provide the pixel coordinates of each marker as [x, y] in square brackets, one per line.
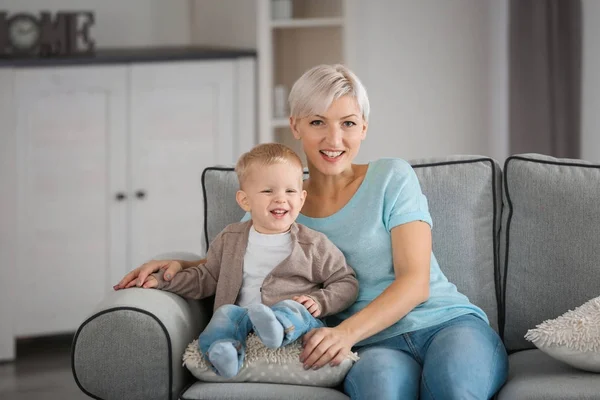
[462, 358]
[230, 323]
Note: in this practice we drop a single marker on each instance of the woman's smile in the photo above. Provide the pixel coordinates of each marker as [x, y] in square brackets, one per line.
[331, 156]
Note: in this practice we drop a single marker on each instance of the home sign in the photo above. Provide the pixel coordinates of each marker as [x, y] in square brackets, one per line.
[45, 34]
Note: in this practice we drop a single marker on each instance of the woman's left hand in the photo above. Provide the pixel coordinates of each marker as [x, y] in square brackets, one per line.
[325, 346]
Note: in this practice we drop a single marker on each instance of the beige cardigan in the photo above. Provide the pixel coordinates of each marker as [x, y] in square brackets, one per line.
[316, 268]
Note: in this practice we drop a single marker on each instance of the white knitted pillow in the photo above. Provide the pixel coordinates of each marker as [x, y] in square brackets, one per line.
[573, 338]
[270, 366]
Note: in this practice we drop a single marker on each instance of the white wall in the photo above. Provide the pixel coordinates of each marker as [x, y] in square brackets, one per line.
[498, 146]
[426, 66]
[590, 105]
[123, 23]
[209, 17]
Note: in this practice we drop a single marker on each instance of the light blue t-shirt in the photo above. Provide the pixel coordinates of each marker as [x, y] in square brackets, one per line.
[390, 195]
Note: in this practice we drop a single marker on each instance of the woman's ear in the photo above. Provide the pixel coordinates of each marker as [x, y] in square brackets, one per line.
[294, 127]
[242, 199]
[365, 127]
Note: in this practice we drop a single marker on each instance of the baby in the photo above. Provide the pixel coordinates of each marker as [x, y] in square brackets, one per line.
[268, 274]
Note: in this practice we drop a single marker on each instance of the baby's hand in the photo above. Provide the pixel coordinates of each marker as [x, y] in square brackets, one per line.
[311, 306]
[150, 282]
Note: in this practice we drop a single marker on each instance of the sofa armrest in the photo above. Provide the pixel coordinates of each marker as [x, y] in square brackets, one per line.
[131, 347]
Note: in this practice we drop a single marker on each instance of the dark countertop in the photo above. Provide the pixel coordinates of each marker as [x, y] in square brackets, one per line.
[131, 55]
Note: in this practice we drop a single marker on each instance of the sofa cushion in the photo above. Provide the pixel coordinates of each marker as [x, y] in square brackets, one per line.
[219, 185]
[258, 391]
[534, 375]
[550, 247]
[464, 198]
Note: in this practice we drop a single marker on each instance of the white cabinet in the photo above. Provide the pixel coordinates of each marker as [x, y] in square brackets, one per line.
[101, 169]
[181, 122]
[71, 140]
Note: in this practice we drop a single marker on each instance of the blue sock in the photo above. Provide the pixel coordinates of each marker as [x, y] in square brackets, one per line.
[224, 357]
[266, 325]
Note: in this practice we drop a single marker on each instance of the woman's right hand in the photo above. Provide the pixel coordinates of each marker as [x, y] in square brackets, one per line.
[138, 276]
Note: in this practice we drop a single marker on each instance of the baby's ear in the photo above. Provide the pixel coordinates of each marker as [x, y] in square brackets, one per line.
[242, 199]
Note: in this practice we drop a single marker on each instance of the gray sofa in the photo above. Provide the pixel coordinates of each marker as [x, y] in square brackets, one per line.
[522, 241]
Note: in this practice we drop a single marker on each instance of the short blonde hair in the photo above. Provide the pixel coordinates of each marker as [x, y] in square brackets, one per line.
[318, 87]
[266, 154]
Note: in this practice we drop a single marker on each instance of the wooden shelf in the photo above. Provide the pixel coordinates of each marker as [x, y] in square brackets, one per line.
[280, 123]
[307, 23]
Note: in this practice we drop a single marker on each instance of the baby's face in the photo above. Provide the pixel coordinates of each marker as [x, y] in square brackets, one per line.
[274, 196]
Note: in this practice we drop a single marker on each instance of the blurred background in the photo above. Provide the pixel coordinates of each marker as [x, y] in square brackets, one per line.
[101, 155]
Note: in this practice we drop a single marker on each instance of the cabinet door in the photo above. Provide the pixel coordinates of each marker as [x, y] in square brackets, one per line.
[71, 150]
[181, 122]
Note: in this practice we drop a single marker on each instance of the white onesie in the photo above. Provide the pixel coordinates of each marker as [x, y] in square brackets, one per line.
[263, 254]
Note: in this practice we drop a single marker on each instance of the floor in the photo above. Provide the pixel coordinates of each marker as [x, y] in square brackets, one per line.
[42, 371]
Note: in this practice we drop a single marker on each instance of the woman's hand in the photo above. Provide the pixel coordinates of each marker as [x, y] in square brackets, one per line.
[138, 276]
[325, 346]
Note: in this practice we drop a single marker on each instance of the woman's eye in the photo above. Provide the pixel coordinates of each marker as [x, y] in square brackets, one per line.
[316, 122]
[349, 124]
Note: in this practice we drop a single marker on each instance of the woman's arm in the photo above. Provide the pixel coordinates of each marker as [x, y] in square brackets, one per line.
[411, 248]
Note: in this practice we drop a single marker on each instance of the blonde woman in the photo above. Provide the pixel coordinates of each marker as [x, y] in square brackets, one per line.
[416, 335]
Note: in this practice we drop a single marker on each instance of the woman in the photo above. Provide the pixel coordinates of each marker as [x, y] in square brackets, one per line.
[416, 335]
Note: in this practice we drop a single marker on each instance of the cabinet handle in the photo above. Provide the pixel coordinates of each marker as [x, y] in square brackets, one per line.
[140, 194]
[120, 196]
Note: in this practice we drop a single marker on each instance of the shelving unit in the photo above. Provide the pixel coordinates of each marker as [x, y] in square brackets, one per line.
[287, 48]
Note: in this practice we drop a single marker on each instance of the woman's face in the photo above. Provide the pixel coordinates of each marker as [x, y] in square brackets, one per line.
[332, 140]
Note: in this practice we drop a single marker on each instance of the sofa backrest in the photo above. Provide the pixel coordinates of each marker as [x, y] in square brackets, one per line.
[464, 195]
[550, 244]
[219, 185]
[465, 201]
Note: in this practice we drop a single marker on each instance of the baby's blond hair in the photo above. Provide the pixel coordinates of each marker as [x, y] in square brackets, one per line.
[266, 154]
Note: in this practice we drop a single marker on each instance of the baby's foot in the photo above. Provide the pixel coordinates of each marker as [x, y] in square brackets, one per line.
[266, 325]
[224, 357]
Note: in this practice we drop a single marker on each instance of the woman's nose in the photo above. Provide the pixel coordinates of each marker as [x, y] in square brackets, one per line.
[334, 136]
